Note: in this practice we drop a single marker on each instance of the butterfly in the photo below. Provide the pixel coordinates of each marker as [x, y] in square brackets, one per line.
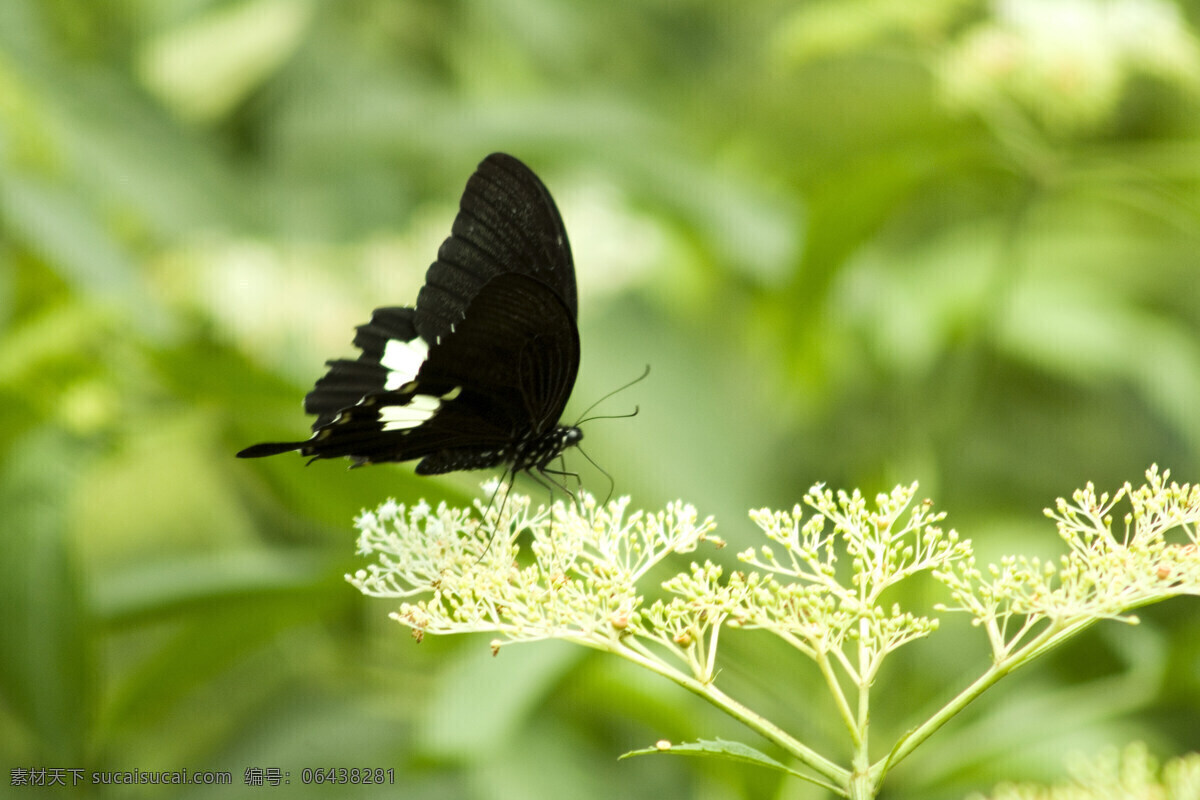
[476, 375]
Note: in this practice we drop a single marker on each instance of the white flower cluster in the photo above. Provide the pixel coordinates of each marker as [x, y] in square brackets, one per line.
[578, 577]
[804, 598]
[1029, 605]
[579, 572]
[577, 580]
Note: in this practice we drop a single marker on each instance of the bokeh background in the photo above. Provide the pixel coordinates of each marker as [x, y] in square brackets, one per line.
[858, 241]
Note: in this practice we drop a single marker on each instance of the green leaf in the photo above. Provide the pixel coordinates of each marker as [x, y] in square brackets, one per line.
[48, 667]
[721, 748]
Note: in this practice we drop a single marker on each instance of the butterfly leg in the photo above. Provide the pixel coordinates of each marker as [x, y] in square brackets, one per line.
[506, 481]
[549, 474]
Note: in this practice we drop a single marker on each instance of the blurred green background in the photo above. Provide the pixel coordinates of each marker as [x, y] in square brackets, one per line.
[858, 241]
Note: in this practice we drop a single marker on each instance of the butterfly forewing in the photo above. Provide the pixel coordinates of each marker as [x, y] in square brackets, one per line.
[507, 223]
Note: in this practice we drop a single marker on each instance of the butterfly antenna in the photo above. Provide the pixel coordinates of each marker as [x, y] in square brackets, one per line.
[633, 413]
[638, 379]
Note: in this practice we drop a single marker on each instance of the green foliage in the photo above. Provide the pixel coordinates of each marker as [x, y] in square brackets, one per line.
[864, 242]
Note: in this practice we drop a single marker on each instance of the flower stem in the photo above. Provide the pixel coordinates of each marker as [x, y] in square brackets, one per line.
[764, 727]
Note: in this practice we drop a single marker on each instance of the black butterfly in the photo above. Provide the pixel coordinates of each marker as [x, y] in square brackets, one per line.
[479, 372]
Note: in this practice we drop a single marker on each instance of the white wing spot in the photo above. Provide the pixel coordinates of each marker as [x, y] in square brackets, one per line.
[402, 360]
[452, 394]
[398, 418]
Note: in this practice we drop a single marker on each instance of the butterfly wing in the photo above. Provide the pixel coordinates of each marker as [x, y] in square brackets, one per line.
[507, 223]
[505, 374]
[349, 381]
[485, 361]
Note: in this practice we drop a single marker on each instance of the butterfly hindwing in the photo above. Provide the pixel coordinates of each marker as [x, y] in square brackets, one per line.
[505, 373]
[348, 381]
[515, 355]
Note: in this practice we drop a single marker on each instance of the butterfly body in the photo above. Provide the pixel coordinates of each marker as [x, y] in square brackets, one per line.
[479, 372]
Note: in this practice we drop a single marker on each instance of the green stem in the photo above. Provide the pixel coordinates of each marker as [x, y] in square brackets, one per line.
[910, 741]
[1039, 645]
[863, 783]
[760, 725]
[839, 696]
[863, 786]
